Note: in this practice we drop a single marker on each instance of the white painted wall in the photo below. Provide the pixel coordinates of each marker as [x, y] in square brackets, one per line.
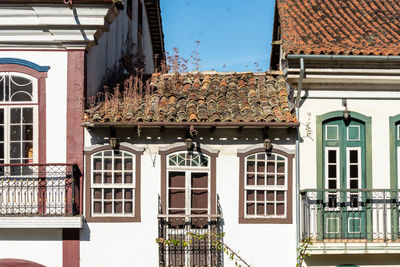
[56, 98]
[42, 246]
[103, 59]
[127, 244]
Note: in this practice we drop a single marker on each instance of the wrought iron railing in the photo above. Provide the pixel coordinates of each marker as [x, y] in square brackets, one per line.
[195, 240]
[361, 215]
[39, 189]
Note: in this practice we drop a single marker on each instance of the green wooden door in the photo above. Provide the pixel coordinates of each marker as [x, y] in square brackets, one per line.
[344, 172]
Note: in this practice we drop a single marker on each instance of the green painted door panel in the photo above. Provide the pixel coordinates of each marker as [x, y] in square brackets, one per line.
[343, 155]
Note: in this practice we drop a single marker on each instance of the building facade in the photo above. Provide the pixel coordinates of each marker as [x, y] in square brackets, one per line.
[342, 60]
[53, 55]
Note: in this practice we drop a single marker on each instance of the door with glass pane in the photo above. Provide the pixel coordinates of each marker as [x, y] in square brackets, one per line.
[344, 174]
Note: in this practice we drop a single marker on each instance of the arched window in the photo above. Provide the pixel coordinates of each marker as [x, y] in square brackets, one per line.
[18, 118]
[265, 186]
[113, 184]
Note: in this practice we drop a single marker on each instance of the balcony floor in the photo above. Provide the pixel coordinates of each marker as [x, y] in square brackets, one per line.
[41, 222]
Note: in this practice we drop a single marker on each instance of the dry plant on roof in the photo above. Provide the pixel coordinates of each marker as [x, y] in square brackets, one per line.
[131, 93]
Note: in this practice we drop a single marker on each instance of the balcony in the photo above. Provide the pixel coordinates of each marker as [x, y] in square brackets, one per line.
[199, 252]
[351, 221]
[40, 196]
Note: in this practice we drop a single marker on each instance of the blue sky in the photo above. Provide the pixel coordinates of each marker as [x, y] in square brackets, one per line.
[234, 33]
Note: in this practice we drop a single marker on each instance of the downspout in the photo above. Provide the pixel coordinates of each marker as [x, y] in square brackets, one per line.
[297, 108]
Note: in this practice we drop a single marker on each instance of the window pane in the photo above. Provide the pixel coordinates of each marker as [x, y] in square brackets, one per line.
[1, 114]
[261, 166]
[15, 132]
[28, 150]
[176, 179]
[118, 164]
[97, 178]
[332, 184]
[260, 179]
[117, 178]
[107, 177]
[270, 209]
[1, 133]
[270, 179]
[107, 207]
[199, 180]
[353, 184]
[260, 208]
[260, 195]
[250, 166]
[128, 163]
[15, 150]
[280, 196]
[21, 88]
[128, 194]
[280, 208]
[270, 195]
[117, 193]
[97, 164]
[332, 156]
[107, 164]
[128, 178]
[107, 194]
[353, 171]
[15, 115]
[27, 115]
[332, 171]
[250, 179]
[118, 207]
[97, 207]
[128, 207]
[271, 167]
[250, 195]
[27, 132]
[250, 209]
[280, 179]
[353, 156]
[176, 198]
[97, 193]
[199, 199]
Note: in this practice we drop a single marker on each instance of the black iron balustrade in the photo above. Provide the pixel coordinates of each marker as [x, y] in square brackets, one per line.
[363, 215]
[196, 238]
[39, 189]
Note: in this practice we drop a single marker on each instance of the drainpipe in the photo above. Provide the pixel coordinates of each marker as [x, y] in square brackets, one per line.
[297, 106]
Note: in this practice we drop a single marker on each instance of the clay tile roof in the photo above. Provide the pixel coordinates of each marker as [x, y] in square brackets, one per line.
[217, 97]
[367, 27]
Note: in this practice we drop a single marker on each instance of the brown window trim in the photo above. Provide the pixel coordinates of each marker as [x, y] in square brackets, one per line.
[88, 216]
[288, 219]
[213, 174]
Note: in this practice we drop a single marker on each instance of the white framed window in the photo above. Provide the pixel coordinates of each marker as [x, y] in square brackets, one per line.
[188, 183]
[265, 186]
[18, 118]
[113, 186]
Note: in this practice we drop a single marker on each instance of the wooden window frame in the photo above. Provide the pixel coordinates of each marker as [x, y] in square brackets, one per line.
[212, 172]
[88, 206]
[289, 198]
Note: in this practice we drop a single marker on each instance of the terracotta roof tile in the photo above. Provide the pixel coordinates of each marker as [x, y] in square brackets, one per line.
[368, 27]
[218, 97]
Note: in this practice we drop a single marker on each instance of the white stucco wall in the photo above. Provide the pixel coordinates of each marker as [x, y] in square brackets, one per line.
[43, 246]
[103, 59]
[56, 98]
[123, 244]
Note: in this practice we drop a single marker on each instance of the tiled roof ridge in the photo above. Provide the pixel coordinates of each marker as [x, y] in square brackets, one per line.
[357, 27]
[206, 97]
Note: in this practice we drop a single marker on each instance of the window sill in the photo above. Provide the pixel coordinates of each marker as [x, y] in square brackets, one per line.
[243, 220]
[41, 222]
[112, 219]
